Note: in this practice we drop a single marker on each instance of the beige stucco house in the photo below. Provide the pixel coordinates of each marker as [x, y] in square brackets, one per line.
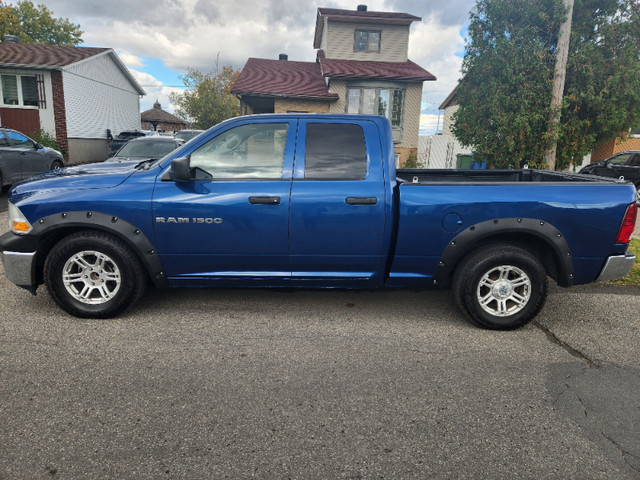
[361, 67]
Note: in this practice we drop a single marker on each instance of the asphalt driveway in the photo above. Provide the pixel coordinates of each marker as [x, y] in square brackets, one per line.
[277, 384]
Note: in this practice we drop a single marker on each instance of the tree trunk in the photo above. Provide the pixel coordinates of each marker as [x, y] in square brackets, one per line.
[558, 85]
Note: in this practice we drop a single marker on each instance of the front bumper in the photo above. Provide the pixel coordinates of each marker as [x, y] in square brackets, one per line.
[616, 266]
[19, 267]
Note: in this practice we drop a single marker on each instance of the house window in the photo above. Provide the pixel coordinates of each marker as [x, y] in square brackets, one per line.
[29, 91]
[387, 102]
[634, 133]
[21, 90]
[367, 41]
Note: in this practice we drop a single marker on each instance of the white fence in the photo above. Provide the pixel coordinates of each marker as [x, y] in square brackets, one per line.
[439, 151]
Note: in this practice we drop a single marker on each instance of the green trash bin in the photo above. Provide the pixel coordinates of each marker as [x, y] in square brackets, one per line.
[464, 160]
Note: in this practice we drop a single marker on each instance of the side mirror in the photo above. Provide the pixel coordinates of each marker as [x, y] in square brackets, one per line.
[608, 165]
[180, 170]
[37, 146]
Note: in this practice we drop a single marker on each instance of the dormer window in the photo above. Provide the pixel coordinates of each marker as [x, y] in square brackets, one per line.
[367, 41]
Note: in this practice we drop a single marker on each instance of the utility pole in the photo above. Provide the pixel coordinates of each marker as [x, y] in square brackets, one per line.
[560, 74]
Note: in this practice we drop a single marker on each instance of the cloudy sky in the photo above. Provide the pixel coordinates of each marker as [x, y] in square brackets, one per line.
[160, 39]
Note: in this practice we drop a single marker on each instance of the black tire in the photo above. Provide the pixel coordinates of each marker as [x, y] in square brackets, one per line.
[94, 275]
[56, 165]
[518, 291]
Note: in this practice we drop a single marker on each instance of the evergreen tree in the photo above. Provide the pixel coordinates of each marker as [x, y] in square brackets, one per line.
[505, 93]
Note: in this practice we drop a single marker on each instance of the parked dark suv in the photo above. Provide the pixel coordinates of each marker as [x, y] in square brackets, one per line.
[623, 164]
[22, 157]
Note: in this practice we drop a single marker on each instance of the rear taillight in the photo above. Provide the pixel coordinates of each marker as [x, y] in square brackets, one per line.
[628, 224]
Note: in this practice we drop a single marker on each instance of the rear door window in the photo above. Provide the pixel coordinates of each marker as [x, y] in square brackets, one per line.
[335, 151]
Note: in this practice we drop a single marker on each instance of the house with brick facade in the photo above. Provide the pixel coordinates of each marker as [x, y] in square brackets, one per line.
[361, 67]
[74, 93]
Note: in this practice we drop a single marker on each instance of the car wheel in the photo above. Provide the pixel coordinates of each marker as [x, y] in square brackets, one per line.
[500, 287]
[94, 275]
[56, 165]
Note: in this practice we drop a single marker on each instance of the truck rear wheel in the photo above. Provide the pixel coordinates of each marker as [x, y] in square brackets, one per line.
[93, 275]
[500, 287]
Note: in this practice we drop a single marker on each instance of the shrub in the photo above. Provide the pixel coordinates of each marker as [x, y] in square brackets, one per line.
[48, 140]
[412, 160]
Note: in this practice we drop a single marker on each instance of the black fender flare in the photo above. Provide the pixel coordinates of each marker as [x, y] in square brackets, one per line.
[469, 238]
[46, 227]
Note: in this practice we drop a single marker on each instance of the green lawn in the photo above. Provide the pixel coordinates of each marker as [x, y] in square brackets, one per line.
[634, 275]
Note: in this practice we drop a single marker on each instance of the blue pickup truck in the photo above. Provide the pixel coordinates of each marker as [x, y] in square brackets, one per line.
[313, 201]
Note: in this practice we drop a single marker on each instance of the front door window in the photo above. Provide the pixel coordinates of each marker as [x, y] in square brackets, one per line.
[253, 151]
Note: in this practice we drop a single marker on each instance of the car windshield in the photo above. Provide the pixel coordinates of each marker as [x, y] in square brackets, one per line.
[146, 149]
[188, 135]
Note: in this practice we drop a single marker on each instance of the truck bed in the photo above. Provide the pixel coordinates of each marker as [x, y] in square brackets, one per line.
[426, 176]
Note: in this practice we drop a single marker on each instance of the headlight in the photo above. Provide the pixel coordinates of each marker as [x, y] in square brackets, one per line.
[17, 221]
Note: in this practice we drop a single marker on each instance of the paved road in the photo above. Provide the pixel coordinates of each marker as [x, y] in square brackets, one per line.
[204, 384]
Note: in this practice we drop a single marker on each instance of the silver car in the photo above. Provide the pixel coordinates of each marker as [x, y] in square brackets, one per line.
[22, 157]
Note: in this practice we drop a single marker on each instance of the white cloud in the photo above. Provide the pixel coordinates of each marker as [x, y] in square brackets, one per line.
[429, 123]
[131, 61]
[184, 34]
[155, 92]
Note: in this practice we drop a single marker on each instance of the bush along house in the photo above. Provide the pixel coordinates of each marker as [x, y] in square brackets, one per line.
[361, 67]
[72, 93]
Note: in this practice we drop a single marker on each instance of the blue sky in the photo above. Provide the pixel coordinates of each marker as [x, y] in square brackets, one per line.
[159, 40]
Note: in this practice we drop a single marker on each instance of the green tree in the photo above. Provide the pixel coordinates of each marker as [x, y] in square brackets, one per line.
[505, 93]
[602, 93]
[207, 99]
[36, 24]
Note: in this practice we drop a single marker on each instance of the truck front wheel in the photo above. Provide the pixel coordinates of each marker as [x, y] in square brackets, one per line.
[93, 275]
[500, 287]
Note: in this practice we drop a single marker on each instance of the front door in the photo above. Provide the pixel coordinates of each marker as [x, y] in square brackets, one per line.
[232, 221]
[31, 161]
[10, 163]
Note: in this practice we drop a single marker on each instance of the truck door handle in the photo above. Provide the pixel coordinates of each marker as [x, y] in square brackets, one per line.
[361, 200]
[264, 200]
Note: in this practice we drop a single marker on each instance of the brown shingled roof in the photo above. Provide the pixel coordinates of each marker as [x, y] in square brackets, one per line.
[156, 114]
[335, 12]
[274, 78]
[39, 55]
[358, 69]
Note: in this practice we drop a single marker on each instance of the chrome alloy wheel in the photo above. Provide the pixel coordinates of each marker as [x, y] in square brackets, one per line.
[504, 290]
[91, 277]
